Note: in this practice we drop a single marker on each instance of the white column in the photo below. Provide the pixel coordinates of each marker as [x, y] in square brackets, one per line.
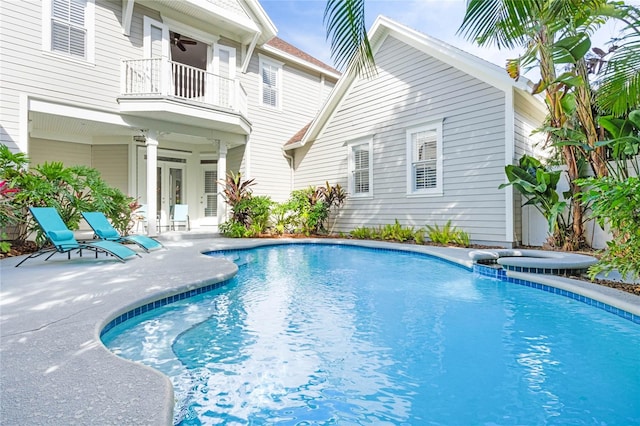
[222, 176]
[152, 183]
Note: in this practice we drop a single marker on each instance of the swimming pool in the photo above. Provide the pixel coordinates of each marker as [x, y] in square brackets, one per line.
[315, 334]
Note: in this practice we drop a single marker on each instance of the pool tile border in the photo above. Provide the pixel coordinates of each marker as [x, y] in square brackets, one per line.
[158, 304]
[483, 270]
[501, 274]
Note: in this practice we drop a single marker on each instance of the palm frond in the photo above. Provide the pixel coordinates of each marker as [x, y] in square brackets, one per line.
[350, 46]
[503, 23]
[620, 88]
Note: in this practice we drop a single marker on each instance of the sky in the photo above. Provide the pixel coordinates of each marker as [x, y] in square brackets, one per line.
[300, 22]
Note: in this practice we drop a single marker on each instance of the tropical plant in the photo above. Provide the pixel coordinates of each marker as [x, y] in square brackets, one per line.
[616, 203]
[396, 232]
[618, 90]
[309, 209]
[539, 188]
[363, 233]
[233, 229]
[333, 197]
[70, 190]
[249, 214]
[624, 144]
[258, 211]
[7, 213]
[448, 235]
[283, 217]
[235, 193]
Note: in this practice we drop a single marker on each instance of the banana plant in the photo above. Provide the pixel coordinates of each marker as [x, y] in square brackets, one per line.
[624, 143]
[538, 186]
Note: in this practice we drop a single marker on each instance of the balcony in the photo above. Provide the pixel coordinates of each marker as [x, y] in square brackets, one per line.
[171, 91]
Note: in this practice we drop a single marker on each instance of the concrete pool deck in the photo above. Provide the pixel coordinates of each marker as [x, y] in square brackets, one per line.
[53, 368]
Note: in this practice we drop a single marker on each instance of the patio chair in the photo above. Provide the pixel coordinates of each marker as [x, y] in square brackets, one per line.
[180, 214]
[103, 230]
[64, 241]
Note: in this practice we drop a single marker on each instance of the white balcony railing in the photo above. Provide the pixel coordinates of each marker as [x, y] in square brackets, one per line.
[145, 77]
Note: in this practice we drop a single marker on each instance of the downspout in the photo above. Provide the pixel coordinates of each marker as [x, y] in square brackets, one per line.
[291, 161]
[509, 157]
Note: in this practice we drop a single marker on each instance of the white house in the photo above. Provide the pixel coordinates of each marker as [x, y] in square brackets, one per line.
[161, 96]
[423, 141]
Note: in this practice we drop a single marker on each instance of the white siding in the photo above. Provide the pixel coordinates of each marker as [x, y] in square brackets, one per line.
[527, 119]
[56, 77]
[69, 154]
[234, 160]
[112, 162]
[271, 128]
[412, 88]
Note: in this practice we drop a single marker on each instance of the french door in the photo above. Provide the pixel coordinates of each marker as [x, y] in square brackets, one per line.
[209, 196]
[171, 189]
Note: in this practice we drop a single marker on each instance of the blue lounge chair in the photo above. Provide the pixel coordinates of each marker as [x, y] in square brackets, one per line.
[63, 240]
[103, 230]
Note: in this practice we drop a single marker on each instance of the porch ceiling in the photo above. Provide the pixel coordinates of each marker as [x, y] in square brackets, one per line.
[80, 130]
[41, 124]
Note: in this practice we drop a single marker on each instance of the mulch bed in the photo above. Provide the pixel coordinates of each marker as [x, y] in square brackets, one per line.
[27, 247]
[18, 249]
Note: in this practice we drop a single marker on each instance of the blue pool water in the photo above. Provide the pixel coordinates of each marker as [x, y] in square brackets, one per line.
[316, 334]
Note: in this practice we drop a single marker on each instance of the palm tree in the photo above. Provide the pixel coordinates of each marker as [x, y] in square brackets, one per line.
[554, 33]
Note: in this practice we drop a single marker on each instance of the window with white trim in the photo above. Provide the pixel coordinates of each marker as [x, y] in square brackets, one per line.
[360, 163]
[424, 159]
[69, 28]
[270, 82]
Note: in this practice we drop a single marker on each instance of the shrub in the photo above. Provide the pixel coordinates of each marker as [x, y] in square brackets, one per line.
[363, 233]
[310, 210]
[235, 193]
[249, 214]
[396, 232]
[283, 217]
[233, 229]
[70, 190]
[538, 186]
[618, 204]
[448, 235]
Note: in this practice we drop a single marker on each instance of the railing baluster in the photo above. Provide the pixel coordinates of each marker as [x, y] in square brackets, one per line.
[146, 77]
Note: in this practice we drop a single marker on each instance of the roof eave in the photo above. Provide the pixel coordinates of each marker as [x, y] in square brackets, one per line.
[300, 61]
[291, 146]
[268, 29]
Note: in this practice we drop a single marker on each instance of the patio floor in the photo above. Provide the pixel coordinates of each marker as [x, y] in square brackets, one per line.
[55, 370]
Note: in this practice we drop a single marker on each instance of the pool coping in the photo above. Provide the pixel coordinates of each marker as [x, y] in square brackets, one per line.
[53, 367]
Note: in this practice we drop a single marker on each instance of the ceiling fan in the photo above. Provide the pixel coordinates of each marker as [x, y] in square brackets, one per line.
[180, 42]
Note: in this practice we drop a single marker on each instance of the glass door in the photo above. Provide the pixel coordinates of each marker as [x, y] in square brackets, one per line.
[209, 197]
[171, 190]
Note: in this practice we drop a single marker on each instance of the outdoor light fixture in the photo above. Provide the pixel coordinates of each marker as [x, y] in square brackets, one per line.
[142, 137]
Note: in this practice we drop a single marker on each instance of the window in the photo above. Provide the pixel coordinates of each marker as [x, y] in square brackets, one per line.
[270, 82]
[424, 160]
[69, 27]
[360, 174]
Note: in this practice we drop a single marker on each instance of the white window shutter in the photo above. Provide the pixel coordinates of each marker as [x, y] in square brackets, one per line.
[68, 32]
